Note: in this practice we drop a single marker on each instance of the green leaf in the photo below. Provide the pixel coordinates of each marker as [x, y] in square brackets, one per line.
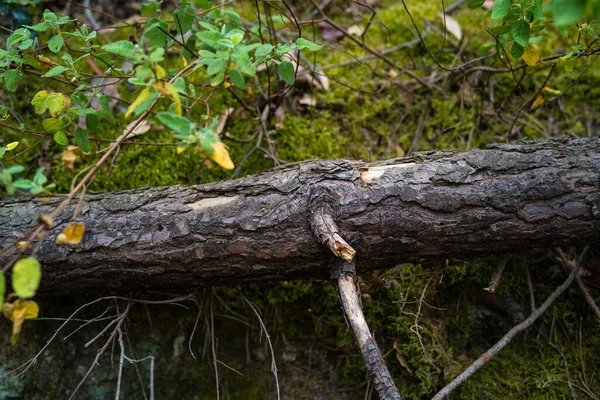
[210, 38]
[286, 71]
[179, 85]
[39, 177]
[566, 12]
[148, 9]
[123, 48]
[183, 18]
[190, 44]
[179, 124]
[263, 50]
[157, 55]
[501, 30]
[11, 79]
[56, 43]
[105, 104]
[307, 44]
[49, 16]
[52, 125]
[92, 122]
[2, 151]
[23, 184]
[520, 31]
[82, 140]
[55, 71]
[536, 39]
[26, 276]
[16, 37]
[2, 288]
[218, 79]
[501, 8]
[41, 27]
[25, 44]
[61, 138]
[15, 169]
[242, 59]
[156, 32]
[475, 4]
[216, 66]
[516, 50]
[237, 78]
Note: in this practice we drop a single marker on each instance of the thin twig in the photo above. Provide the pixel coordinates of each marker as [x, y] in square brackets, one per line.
[488, 355]
[495, 280]
[567, 264]
[103, 348]
[529, 286]
[415, 327]
[213, 346]
[529, 101]
[264, 329]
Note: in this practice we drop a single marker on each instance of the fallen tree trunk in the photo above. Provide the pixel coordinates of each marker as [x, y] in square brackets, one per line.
[432, 206]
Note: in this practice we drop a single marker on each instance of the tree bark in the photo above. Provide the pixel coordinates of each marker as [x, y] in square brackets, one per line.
[434, 205]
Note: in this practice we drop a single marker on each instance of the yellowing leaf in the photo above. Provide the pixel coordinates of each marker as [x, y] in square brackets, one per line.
[45, 62]
[166, 89]
[26, 276]
[180, 149]
[550, 90]
[28, 309]
[139, 100]
[72, 234]
[531, 56]
[221, 155]
[58, 103]
[18, 312]
[539, 100]
[11, 145]
[39, 102]
[160, 72]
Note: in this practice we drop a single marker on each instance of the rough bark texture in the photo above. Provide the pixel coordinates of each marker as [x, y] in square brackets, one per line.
[431, 206]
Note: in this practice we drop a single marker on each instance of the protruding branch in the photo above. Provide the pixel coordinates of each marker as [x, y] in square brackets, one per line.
[323, 225]
[321, 220]
[370, 352]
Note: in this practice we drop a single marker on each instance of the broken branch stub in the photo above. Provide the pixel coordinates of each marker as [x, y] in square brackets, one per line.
[326, 231]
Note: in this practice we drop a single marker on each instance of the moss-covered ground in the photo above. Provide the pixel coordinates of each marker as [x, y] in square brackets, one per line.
[372, 110]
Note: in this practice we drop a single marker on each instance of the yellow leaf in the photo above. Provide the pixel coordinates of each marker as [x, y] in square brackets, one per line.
[46, 62]
[180, 149]
[226, 84]
[160, 72]
[72, 234]
[11, 145]
[532, 56]
[18, 312]
[139, 100]
[175, 96]
[221, 156]
[539, 100]
[550, 90]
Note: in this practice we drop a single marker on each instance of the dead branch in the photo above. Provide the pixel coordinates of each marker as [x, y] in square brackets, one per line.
[495, 349]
